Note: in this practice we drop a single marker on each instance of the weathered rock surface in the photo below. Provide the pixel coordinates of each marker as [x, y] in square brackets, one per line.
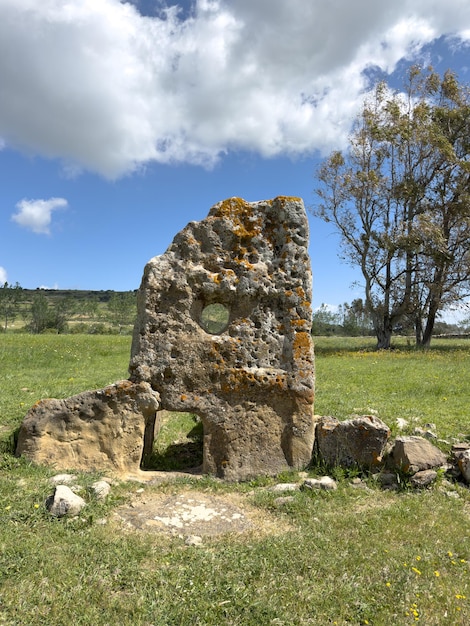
[423, 478]
[324, 482]
[285, 487]
[101, 489]
[413, 454]
[63, 479]
[101, 429]
[223, 331]
[357, 442]
[64, 502]
[464, 465]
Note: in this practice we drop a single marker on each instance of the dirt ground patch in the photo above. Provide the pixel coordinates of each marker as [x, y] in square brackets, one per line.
[192, 513]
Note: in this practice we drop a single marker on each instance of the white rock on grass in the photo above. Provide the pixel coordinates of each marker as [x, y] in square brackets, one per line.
[325, 482]
[64, 502]
[285, 487]
[193, 540]
[101, 489]
[63, 479]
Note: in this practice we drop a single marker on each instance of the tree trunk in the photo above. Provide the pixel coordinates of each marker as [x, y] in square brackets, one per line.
[418, 330]
[384, 336]
[427, 334]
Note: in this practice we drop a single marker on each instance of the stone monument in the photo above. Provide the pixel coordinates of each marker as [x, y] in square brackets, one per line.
[223, 331]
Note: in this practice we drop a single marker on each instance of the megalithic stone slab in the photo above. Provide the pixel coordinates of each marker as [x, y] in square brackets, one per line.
[94, 430]
[223, 330]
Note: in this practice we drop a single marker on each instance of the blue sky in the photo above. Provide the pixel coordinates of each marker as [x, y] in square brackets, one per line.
[121, 122]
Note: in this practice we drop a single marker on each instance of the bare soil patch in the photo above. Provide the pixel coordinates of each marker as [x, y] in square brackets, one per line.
[193, 513]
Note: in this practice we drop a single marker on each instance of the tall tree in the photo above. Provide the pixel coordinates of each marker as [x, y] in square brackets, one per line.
[399, 199]
[40, 313]
[122, 308]
[10, 299]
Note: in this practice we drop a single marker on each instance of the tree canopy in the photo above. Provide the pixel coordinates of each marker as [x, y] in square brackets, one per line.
[399, 198]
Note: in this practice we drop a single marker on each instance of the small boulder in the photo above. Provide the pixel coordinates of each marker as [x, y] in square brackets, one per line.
[100, 489]
[413, 454]
[325, 482]
[64, 502]
[357, 442]
[423, 479]
[193, 540]
[63, 479]
[285, 487]
[387, 480]
[284, 500]
[464, 465]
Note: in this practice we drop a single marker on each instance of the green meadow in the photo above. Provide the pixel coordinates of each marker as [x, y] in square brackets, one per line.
[353, 556]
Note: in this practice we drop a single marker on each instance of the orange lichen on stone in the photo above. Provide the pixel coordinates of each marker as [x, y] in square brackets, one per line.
[239, 380]
[302, 345]
[288, 199]
[241, 214]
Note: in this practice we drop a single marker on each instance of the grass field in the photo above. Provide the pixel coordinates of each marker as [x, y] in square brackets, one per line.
[354, 556]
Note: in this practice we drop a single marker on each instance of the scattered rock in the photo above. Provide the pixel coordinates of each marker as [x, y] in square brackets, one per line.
[388, 480]
[401, 423]
[63, 479]
[285, 487]
[357, 442]
[64, 502]
[464, 465]
[101, 489]
[284, 500]
[357, 483]
[423, 478]
[413, 454]
[325, 482]
[459, 448]
[193, 540]
[427, 434]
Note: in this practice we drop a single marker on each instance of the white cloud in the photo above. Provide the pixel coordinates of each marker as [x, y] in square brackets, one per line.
[3, 276]
[98, 85]
[37, 214]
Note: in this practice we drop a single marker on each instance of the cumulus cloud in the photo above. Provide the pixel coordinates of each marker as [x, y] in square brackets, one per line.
[36, 215]
[107, 89]
[3, 276]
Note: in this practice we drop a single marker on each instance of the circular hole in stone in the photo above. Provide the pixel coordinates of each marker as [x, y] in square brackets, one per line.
[215, 318]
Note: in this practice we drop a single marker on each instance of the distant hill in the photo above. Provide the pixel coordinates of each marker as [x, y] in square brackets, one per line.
[76, 294]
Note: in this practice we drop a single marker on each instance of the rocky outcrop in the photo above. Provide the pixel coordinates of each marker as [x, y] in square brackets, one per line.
[359, 442]
[223, 331]
[94, 430]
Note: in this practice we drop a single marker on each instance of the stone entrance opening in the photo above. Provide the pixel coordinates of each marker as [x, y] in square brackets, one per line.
[173, 443]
